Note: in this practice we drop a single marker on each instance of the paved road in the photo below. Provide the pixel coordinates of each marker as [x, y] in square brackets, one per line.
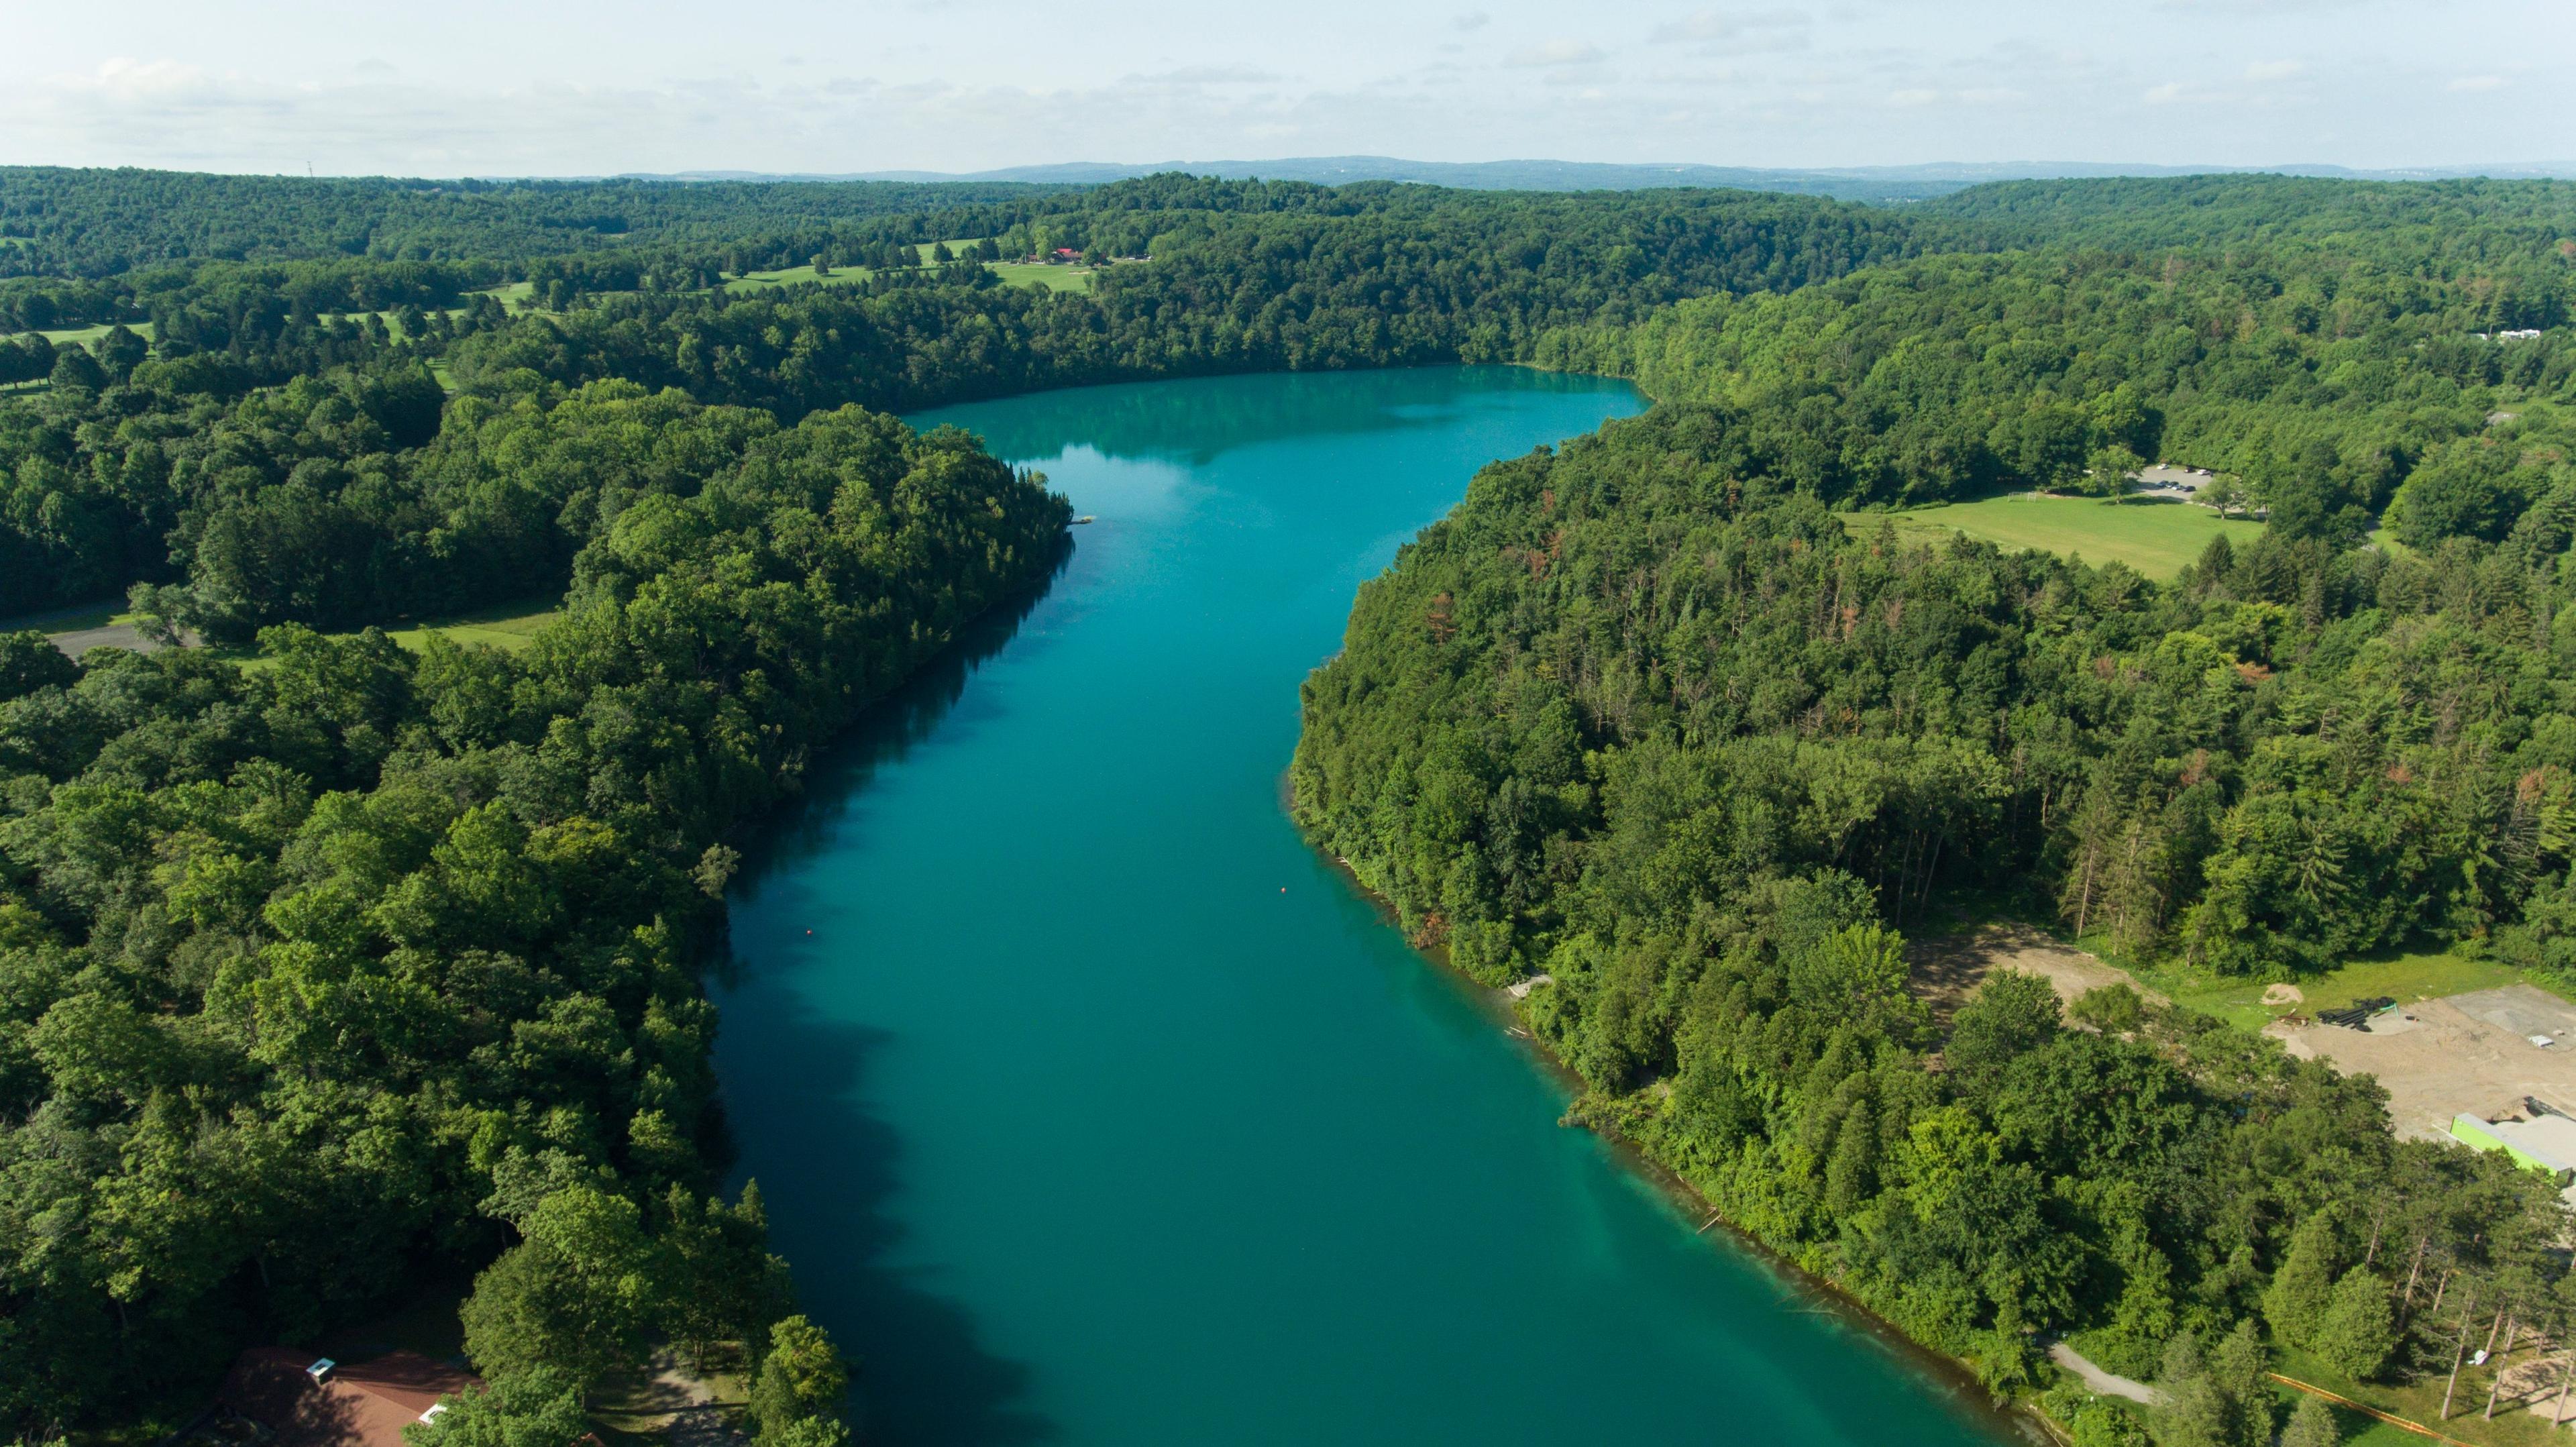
[115, 635]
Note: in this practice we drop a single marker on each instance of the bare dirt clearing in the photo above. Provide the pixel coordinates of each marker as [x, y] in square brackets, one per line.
[2438, 1058]
[1946, 969]
[2469, 1052]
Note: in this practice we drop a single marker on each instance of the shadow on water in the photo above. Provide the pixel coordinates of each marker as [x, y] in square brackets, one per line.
[923, 1374]
[889, 730]
[1141, 419]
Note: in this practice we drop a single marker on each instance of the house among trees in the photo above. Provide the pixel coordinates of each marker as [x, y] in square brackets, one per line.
[294, 1398]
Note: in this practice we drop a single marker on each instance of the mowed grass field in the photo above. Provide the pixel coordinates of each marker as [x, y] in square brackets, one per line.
[2156, 538]
[1053, 278]
[86, 335]
[2405, 977]
[1012, 273]
[505, 625]
[510, 626]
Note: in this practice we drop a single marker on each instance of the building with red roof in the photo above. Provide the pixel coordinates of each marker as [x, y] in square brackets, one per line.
[304, 1400]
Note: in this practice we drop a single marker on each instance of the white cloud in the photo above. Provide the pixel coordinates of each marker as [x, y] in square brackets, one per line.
[970, 84]
[1739, 30]
[1555, 53]
[1207, 75]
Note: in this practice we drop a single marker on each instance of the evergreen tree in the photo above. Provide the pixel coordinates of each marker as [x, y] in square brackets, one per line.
[2312, 1424]
[802, 1388]
[2358, 1329]
[2304, 1285]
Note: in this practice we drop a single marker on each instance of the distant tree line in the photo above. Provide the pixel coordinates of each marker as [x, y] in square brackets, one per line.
[265, 506]
[2337, 392]
[99, 223]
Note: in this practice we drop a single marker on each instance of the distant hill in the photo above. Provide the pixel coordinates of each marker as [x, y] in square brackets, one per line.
[1854, 183]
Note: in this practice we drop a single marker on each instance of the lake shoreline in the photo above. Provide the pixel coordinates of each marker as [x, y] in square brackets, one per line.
[906, 1046]
[1495, 1004]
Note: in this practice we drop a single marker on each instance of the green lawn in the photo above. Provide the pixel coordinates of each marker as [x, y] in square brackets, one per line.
[2405, 976]
[2533, 411]
[2421, 1401]
[505, 625]
[85, 335]
[511, 626]
[755, 281]
[1053, 278]
[2156, 538]
[1012, 273]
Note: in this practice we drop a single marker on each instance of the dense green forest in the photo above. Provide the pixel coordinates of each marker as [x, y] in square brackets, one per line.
[2335, 390]
[1645, 718]
[327, 974]
[2511, 237]
[99, 223]
[353, 969]
[328, 501]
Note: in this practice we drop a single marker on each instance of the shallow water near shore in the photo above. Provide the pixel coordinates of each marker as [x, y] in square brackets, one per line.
[1094, 1108]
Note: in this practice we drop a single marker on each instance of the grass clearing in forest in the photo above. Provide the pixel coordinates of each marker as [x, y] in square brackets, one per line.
[757, 281]
[507, 626]
[60, 336]
[510, 626]
[2406, 976]
[2530, 1382]
[2156, 538]
[1053, 278]
[1012, 273]
[514, 296]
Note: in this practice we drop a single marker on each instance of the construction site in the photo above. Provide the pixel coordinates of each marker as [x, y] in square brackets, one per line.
[2490, 1069]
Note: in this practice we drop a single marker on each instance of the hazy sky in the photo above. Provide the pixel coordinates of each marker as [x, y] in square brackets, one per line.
[475, 87]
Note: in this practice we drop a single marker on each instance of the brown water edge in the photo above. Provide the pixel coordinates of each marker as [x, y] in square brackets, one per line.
[1820, 1294]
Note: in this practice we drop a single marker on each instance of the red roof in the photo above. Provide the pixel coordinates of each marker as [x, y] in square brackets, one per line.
[361, 1406]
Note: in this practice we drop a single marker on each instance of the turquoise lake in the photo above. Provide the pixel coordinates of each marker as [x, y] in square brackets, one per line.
[1093, 1107]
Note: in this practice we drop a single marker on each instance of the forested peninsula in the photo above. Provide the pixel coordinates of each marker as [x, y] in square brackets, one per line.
[330, 970]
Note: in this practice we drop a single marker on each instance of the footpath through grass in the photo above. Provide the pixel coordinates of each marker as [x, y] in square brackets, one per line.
[2155, 537]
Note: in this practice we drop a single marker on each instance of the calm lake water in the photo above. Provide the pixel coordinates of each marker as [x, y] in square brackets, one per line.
[1093, 1108]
